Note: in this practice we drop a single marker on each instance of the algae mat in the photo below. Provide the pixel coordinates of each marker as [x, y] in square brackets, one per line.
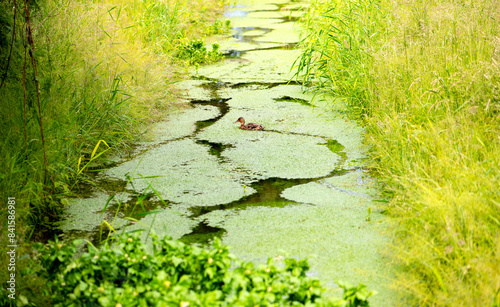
[296, 189]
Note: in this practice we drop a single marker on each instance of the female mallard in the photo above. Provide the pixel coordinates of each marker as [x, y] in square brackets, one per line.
[249, 126]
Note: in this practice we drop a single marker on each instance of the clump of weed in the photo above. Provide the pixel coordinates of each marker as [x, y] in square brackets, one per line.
[220, 27]
[195, 52]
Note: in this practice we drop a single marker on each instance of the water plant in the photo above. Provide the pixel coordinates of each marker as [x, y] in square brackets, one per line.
[195, 52]
[423, 77]
[220, 27]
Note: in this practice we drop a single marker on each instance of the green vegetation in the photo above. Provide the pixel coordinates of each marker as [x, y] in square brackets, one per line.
[195, 52]
[220, 27]
[424, 77]
[175, 274]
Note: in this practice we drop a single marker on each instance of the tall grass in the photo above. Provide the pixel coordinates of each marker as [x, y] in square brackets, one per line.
[424, 77]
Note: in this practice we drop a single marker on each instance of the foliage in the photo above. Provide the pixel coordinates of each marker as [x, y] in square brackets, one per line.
[336, 53]
[424, 76]
[220, 27]
[195, 52]
[175, 274]
[163, 25]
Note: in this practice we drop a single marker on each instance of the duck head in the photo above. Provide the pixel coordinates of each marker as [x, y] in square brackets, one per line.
[240, 120]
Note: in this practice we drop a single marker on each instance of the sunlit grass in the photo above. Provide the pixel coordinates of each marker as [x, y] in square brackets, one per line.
[425, 79]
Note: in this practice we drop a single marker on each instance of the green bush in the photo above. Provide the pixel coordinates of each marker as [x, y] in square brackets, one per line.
[175, 274]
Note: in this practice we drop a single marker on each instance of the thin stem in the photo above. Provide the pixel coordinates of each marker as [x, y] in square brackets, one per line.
[11, 45]
[24, 102]
[29, 35]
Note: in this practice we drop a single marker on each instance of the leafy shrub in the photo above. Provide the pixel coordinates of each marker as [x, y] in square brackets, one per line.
[175, 274]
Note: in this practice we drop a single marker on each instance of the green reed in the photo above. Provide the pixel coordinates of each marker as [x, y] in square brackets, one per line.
[424, 79]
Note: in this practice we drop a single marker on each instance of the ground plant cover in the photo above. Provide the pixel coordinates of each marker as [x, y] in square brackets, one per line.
[176, 274]
[423, 77]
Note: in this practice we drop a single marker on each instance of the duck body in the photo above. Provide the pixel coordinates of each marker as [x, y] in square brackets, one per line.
[249, 126]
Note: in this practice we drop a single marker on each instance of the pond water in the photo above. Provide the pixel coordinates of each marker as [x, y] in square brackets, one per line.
[296, 189]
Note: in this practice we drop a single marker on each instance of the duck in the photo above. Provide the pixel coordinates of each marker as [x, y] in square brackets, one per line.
[249, 126]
